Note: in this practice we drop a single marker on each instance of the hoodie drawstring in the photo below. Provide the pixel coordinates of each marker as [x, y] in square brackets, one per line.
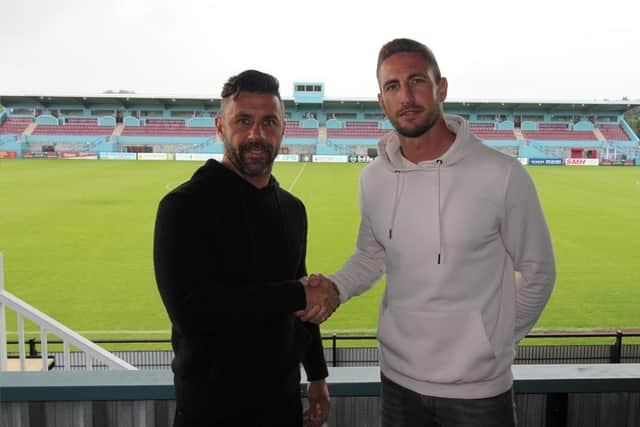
[439, 163]
[396, 202]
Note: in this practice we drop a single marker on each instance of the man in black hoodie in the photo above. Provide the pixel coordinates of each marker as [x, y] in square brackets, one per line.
[229, 255]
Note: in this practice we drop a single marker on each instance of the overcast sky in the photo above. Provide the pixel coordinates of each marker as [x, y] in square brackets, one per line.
[488, 49]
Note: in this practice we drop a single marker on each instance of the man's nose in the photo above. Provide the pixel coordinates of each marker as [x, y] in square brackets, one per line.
[256, 131]
[406, 94]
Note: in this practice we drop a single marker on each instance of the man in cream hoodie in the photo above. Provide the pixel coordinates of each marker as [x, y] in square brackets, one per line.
[451, 221]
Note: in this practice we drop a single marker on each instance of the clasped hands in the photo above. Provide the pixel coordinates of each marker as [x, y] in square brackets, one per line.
[322, 299]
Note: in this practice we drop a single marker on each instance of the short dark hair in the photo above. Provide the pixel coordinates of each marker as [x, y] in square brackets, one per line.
[408, 45]
[251, 81]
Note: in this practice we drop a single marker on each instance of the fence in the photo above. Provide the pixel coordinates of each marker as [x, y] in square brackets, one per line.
[616, 352]
[338, 355]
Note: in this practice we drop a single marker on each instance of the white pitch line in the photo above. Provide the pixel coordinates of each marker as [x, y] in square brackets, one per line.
[349, 331]
[295, 180]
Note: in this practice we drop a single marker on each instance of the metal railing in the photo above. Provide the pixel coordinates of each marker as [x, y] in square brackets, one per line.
[339, 355]
[47, 326]
[616, 352]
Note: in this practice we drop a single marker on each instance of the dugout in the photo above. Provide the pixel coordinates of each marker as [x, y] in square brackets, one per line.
[581, 153]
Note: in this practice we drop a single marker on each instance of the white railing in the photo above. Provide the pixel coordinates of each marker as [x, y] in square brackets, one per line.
[47, 326]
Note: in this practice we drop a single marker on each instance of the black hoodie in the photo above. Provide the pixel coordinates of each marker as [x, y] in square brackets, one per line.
[227, 258]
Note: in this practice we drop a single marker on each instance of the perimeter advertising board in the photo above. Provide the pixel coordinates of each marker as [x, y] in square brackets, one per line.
[39, 155]
[605, 162]
[287, 158]
[546, 162]
[117, 156]
[321, 158]
[77, 155]
[153, 156]
[582, 162]
[202, 157]
[360, 159]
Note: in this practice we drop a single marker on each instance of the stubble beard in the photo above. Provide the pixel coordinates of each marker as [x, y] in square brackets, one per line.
[421, 128]
[251, 167]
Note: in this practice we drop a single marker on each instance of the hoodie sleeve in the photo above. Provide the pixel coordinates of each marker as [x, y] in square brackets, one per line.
[190, 288]
[313, 360]
[527, 240]
[366, 265]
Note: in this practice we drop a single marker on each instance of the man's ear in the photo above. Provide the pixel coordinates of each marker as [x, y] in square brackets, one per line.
[284, 128]
[381, 104]
[219, 127]
[443, 86]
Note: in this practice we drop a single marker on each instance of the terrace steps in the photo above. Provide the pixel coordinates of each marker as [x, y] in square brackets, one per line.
[117, 131]
[322, 135]
[599, 135]
[30, 128]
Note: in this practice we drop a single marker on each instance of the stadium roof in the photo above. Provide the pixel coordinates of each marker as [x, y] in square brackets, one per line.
[131, 99]
[126, 100]
[517, 105]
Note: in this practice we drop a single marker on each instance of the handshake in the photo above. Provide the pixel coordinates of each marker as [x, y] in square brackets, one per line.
[322, 299]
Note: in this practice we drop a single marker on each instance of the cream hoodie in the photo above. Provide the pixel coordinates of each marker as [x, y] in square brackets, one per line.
[450, 234]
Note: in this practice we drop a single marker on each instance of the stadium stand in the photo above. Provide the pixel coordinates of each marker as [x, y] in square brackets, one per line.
[304, 149]
[558, 132]
[293, 130]
[14, 126]
[167, 127]
[357, 130]
[314, 126]
[487, 131]
[326, 150]
[613, 132]
[74, 126]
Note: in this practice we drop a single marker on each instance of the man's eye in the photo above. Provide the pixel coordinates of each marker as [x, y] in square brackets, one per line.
[391, 86]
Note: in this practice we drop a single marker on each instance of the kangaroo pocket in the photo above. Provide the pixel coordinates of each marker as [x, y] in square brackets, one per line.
[437, 347]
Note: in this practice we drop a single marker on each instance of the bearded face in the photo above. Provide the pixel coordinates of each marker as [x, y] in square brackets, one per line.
[410, 95]
[252, 158]
[252, 127]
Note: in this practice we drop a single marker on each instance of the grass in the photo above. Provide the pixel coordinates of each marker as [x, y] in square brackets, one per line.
[77, 240]
[593, 217]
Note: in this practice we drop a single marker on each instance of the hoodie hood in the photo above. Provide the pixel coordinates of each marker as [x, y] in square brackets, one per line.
[391, 155]
[215, 167]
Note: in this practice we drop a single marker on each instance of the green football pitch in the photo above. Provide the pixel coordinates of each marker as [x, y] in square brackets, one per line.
[77, 240]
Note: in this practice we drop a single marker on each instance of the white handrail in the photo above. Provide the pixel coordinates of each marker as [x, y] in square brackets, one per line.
[47, 325]
[3, 325]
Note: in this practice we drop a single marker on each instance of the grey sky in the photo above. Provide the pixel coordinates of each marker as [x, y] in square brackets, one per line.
[495, 49]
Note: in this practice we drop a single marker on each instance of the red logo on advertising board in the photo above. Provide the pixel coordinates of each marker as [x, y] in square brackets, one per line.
[576, 161]
[67, 154]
